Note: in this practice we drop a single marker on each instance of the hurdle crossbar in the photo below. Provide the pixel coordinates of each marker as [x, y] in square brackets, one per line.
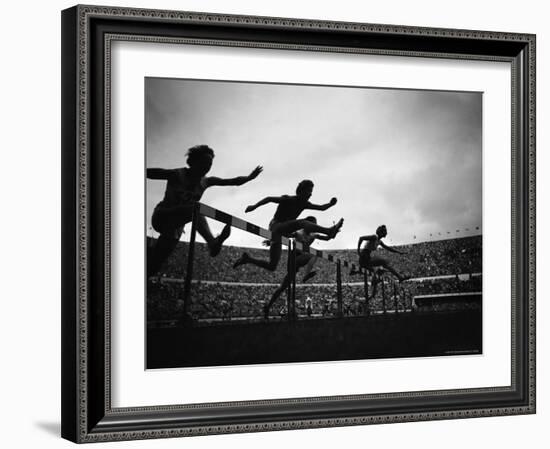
[226, 218]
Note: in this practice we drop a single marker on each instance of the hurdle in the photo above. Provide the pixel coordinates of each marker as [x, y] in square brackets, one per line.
[226, 218]
[290, 243]
[383, 284]
[340, 311]
[190, 259]
[291, 290]
[395, 296]
[366, 291]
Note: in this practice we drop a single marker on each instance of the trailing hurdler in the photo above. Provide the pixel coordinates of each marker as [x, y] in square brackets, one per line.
[303, 259]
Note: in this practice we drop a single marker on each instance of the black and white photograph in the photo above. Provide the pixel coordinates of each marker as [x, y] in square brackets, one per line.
[288, 220]
[307, 223]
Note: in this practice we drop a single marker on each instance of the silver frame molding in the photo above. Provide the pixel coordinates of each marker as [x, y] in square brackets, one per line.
[87, 35]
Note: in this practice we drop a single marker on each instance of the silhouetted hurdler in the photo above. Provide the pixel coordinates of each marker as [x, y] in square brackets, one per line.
[303, 259]
[285, 222]
[367, 261]
[184, 187]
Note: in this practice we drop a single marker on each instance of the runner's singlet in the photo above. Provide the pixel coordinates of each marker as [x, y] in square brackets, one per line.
[182, 190]
[289, 208]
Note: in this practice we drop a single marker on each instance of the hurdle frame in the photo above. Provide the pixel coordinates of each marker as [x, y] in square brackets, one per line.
[366, 310]
[339, 309]
[190, 261]
[291, 273]
[395, 298]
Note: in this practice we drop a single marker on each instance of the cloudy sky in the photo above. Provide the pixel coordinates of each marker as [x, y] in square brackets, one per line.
[408, 159]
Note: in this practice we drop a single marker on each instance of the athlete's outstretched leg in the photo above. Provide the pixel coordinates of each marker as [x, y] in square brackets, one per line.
[275, 296]
[214, 243]
[308, 271]
[288, 227]
[301, 261]
[379, 262]
[399, 276]
[275, 249]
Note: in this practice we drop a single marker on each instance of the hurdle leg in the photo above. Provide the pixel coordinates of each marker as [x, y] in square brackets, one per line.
[291, 273]
[366, 281]
[340, 311]
[293, 302]
[190, 258]
[395, 298]
[383, 294]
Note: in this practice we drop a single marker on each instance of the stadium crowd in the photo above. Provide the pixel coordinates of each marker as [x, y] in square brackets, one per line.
[426, 259]
[227, 301]
[221, 292]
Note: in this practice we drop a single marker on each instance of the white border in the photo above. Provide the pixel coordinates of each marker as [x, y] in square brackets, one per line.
[133, 386]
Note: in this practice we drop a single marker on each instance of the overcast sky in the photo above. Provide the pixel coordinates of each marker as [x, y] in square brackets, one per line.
[408, 159]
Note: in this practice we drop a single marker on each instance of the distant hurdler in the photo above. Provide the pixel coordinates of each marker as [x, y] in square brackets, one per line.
[369, 262]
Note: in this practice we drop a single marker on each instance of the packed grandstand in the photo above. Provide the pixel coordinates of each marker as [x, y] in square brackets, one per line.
[220, 292]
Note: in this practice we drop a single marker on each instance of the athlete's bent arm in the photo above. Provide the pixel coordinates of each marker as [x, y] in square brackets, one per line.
[331, 203]
[237, 181]
[266, 200]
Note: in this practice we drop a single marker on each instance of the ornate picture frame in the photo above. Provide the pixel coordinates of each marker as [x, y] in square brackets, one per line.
[88, 33]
